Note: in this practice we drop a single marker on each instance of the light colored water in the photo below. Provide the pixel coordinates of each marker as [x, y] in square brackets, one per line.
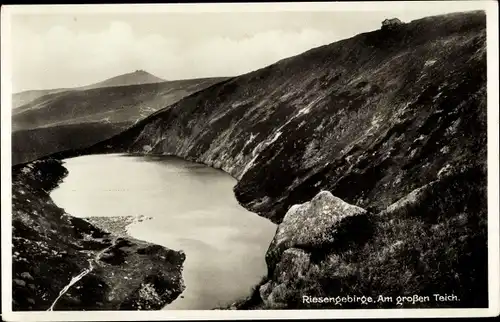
[193, 209]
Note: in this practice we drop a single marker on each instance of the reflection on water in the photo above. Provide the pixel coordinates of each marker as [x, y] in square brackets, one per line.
[193, 209]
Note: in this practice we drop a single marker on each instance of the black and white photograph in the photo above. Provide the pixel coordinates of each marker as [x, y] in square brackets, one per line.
[258, 160]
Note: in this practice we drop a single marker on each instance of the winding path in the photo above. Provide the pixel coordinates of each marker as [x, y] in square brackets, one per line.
[77, 278]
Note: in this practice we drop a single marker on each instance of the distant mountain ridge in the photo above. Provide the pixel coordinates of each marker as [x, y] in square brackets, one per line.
[76, 118]
[25, 97]
[138, 77]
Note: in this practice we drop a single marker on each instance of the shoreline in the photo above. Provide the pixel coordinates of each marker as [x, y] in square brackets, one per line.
[116, 225]
[120, 225]
[135, 272]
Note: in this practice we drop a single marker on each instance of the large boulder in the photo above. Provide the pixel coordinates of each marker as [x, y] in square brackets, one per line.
[324, 222]
[310, 230]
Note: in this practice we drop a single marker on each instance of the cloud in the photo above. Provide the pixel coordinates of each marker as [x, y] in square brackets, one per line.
[61, 57]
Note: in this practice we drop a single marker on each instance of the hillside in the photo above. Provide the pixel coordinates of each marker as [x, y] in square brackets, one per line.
[135, 78]
[22, 98]
[391, 122]
[111, 109]
[104, 104]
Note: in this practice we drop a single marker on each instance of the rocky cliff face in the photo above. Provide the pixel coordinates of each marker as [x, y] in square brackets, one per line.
[50, 248]
[368, 120]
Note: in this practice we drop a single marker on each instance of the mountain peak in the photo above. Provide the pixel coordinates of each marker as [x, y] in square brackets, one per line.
[137, 77]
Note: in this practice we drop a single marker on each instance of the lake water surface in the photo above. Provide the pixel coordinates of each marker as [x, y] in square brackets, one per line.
[193, 209]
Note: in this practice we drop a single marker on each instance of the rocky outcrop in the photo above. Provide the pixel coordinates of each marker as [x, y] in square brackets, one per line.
[325, 223]
[50, 248]
[319, 223]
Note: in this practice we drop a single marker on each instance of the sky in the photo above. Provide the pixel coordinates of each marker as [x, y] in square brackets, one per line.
[57, 50]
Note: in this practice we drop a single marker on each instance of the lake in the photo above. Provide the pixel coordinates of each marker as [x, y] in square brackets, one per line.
[193, 209]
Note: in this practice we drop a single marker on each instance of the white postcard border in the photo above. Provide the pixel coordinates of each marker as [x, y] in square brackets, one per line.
[491, 8]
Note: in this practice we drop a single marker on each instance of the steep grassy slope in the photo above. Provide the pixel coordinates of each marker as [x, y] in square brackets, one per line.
[51, 247]
[378, 114]
[368, 119]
